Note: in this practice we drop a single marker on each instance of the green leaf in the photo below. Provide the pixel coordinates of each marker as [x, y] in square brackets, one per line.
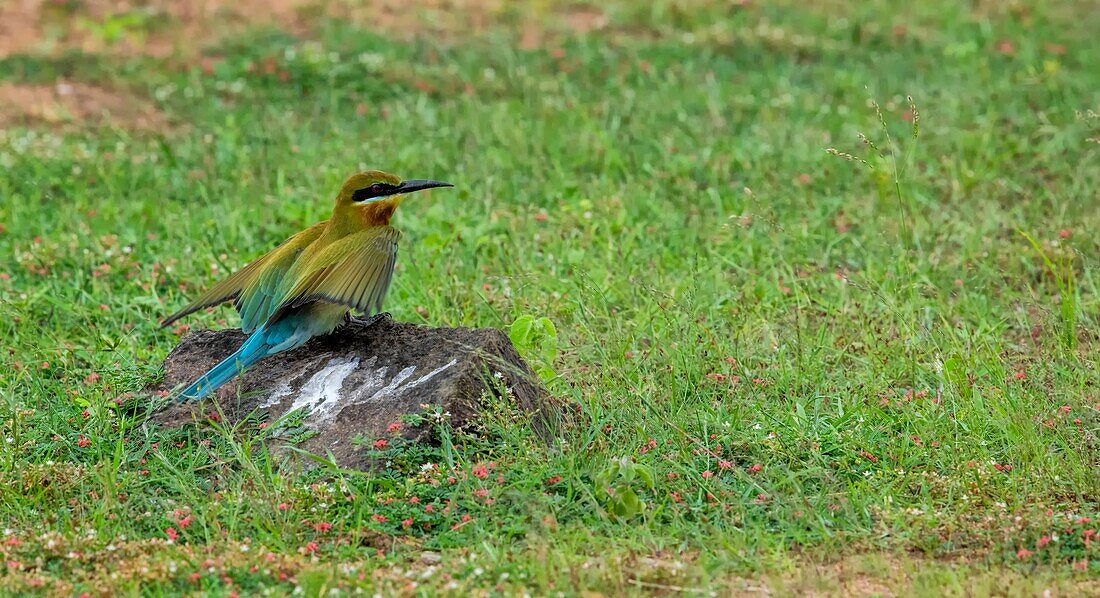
[520, 333]
[626, 503]
[645, 474]
[536, 339]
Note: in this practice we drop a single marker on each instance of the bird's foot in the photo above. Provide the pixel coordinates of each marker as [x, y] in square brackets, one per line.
[368, 322]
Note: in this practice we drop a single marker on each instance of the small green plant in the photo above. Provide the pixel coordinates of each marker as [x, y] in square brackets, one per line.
[1060, 268]
[616, 487]
[118, 26]
[291, 427]
[1092, 121]
[888, 168]
[536, 339]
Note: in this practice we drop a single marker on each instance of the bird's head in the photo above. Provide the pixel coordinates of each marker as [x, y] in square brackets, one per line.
[375, 194]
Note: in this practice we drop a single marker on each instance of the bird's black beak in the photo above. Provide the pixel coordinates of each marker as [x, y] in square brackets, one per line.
[418, 185]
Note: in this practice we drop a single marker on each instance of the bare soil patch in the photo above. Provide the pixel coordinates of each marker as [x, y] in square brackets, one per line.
[182, 30]
[75, 103]
[172, 28]
[159, 28]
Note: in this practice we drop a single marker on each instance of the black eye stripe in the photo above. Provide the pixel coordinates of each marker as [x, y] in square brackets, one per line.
[375, 190]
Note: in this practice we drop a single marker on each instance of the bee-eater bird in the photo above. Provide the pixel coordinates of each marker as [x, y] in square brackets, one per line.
[309, 284]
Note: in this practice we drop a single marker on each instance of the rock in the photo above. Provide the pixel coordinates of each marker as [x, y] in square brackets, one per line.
[354, 383]
[431, 558]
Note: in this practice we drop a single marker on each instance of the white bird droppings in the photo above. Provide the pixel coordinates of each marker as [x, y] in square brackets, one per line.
[322, 394]
[276, 396]
[322, 391]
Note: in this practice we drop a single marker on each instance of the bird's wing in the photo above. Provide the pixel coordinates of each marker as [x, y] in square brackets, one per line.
[253, 288]
[355, 272]
[258, 300]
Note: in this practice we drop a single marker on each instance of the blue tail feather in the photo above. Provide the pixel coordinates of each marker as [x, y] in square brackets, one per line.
[254, 349]
[268, 339]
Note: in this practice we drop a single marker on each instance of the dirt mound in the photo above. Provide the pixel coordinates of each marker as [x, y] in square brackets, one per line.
[348, 387]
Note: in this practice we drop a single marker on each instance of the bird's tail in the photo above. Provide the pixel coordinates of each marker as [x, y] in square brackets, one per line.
[254, 349]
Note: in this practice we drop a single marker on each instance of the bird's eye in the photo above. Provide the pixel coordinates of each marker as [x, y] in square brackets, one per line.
[366, 193]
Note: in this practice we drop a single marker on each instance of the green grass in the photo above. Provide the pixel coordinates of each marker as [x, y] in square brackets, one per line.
[859, 364]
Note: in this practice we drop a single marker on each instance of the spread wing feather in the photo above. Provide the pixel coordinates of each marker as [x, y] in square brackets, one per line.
[254, 288]
[355, 272]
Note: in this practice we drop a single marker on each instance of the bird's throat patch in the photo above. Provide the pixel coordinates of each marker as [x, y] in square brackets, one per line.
[379, 213]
